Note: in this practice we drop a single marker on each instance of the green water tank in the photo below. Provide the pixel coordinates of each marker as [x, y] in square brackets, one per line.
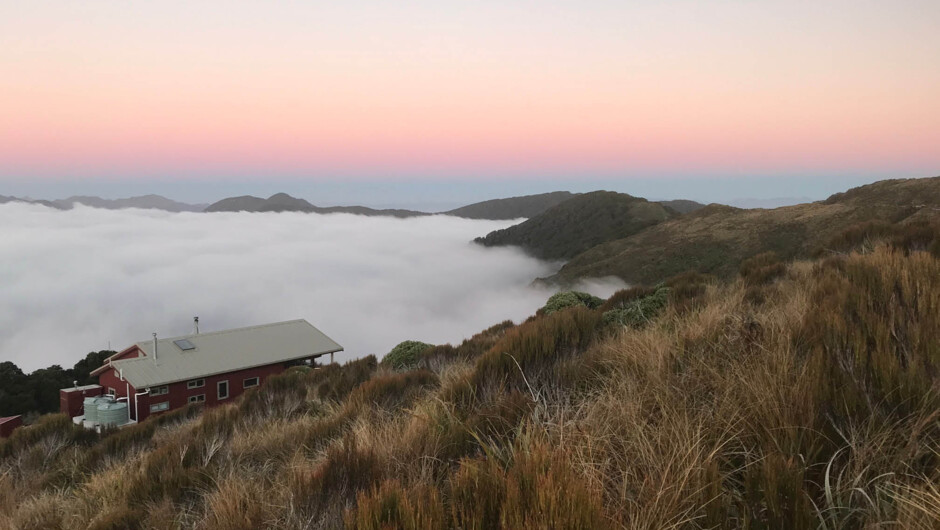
[111, 414]
[91, 407]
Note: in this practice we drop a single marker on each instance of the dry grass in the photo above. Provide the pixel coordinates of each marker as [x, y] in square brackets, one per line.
[818, 407]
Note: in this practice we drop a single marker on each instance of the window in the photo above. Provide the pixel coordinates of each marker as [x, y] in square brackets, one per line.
[250, 382]
[160, 390]
[160, 407]
[223, 389]
[197, 399]
[184, 344]
[196, 383]
[111, 391]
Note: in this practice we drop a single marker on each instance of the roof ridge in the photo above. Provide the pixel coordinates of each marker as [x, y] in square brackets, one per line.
[223, 331]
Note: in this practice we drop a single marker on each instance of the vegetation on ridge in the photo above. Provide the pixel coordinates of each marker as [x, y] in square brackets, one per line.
[795, 395]
[716, 239]
[38, 392]
[586, 220]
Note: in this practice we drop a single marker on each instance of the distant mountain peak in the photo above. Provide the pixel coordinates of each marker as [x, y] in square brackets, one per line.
[283, 202]
[150, 201]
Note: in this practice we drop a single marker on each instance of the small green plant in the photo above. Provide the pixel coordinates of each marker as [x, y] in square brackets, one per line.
[566, 299]
[405, 355]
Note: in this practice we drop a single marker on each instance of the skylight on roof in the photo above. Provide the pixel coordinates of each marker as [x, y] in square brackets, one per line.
[184, 344]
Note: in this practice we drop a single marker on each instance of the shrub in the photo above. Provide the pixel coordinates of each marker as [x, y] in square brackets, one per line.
[621, 298]
[438, 356]
[873, 332]
[394, 390]
[336, 382]
[566, 299]
[405, 355]
[638, 311]
[469, 349]
[762, 269]
[857, 236]
[919, 234]
[686, 290]
[535, 346]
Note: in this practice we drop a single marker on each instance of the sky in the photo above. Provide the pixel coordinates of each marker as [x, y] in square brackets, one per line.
[85, 279]
[406, 103]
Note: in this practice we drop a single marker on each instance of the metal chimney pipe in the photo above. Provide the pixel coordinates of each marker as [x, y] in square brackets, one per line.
[154, 347]
[195, 325]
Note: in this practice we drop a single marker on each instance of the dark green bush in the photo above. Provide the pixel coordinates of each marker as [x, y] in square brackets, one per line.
[566, 299]
[405, 355]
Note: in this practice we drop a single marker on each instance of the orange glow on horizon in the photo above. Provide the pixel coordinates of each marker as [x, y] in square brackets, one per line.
[532, 93]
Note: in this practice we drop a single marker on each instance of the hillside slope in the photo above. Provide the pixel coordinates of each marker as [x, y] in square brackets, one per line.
[796, 396]
[580, 223]
[715, 239]
[513, 207]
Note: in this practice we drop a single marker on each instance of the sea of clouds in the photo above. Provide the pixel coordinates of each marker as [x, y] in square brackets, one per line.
[76, 281]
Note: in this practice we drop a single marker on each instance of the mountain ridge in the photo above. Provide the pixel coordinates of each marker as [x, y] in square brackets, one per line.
[717, 238]
[512, 207]
[573, 226]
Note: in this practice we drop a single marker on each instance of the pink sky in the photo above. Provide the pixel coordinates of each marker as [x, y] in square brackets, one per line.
[125, 89]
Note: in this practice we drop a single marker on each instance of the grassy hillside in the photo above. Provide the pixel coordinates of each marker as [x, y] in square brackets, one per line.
[512, 207]
[715, 239]
[800, 395]
[580, 223]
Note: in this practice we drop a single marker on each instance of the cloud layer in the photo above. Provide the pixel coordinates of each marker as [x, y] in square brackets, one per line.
[75, 281]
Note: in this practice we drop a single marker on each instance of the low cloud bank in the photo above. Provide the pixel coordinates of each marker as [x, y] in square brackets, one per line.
[73, 281]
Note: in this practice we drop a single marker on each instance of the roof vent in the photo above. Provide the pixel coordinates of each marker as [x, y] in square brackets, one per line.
[184, 344]
[195, 325]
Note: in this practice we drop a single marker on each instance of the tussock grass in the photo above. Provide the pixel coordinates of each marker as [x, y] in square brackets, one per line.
[815, 406]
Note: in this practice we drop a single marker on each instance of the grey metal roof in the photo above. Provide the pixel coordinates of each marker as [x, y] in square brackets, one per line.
[224, 351]
[80, 388]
